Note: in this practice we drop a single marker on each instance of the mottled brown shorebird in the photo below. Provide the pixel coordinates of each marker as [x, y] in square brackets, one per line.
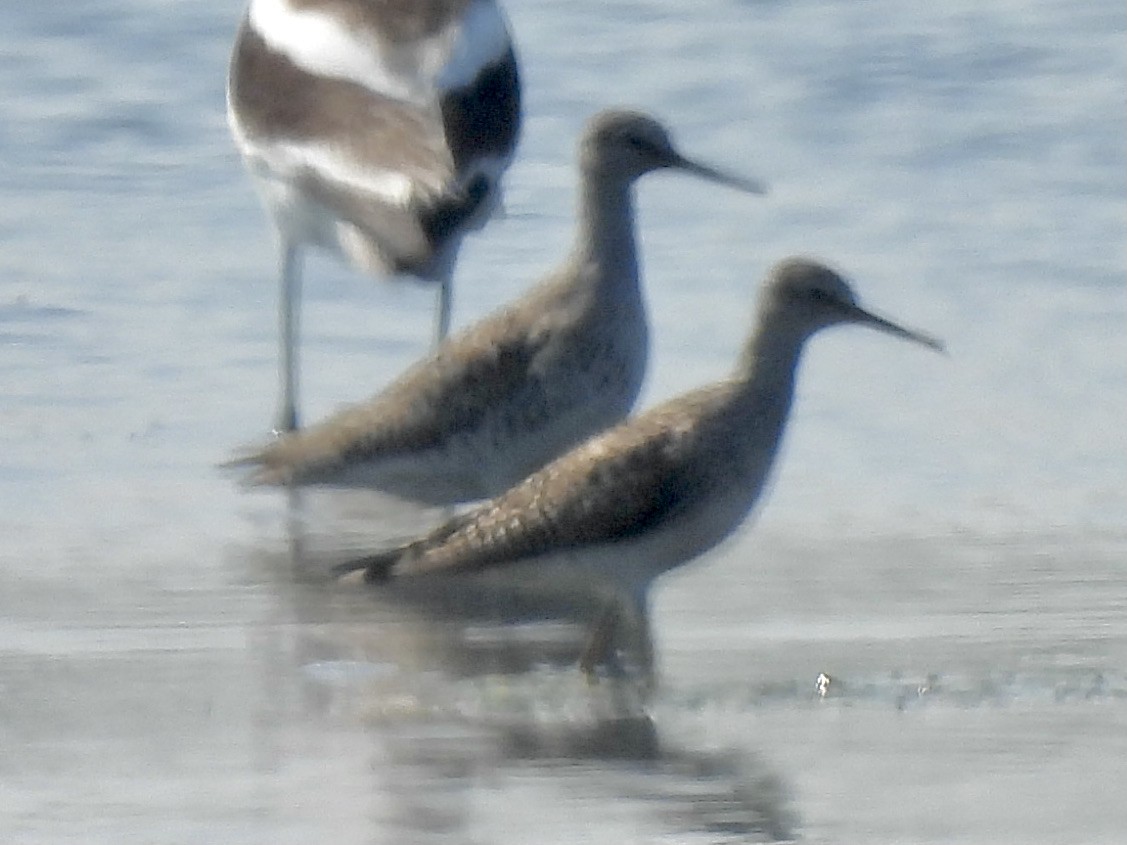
[650, 494]
[376, 129]
[505, 396]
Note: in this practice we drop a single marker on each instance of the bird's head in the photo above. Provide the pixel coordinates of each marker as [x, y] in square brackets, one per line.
[631, 144]
[809, 296]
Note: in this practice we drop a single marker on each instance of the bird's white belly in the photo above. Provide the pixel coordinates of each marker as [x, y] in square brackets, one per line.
[434, 477]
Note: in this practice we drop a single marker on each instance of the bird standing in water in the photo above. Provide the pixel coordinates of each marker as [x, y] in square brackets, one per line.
[503, 397]
[651, 494]
[376, 129]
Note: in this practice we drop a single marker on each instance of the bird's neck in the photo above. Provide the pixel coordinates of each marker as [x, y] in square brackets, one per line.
[766, 375]
[605, 246]
[745, 427]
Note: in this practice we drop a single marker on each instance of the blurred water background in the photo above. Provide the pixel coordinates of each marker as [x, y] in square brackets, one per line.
[946, 539]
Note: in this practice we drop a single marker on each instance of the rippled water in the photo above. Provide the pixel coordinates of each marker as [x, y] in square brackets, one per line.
[945, 541]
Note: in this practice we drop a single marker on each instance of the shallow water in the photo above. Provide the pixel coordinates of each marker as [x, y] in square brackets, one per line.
[945, 540]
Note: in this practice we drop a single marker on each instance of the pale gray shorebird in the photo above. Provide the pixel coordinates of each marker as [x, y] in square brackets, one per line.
[651, 494]
[506, 395]
[376, 129]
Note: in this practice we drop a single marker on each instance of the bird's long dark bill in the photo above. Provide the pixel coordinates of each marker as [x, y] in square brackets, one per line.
[857, 314]
[712, 174]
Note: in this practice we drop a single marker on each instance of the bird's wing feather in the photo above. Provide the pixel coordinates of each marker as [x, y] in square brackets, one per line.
[495, 363]
[408, 174]
[621, 483]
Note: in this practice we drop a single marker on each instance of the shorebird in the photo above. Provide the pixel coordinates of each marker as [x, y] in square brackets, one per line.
[506, 395]
[376, 129]
[651, 494]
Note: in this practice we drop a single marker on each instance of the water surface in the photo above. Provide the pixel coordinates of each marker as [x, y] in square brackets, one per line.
[945, 539]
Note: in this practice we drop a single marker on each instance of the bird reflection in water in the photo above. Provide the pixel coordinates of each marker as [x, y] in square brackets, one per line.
[454, 713]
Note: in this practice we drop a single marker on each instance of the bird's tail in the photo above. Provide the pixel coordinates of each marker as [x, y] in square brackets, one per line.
[381, 566]
[377, 567]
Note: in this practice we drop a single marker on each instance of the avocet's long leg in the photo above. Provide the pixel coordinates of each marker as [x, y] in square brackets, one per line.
[289, 317]
[445, 304]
